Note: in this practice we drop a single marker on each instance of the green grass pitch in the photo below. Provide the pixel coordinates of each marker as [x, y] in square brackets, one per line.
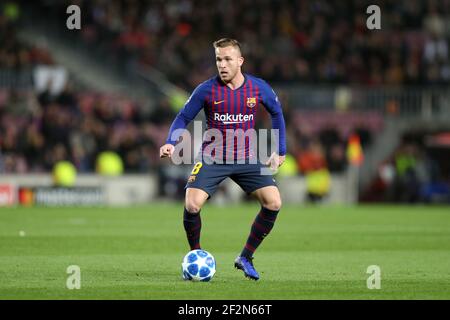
[312, 253]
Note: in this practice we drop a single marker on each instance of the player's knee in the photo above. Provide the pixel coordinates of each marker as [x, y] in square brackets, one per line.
[193, 206]
[273, 204]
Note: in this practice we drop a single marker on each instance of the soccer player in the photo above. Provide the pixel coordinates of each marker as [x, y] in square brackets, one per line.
[230, 101]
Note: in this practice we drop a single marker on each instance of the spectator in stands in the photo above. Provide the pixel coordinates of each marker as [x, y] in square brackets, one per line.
[406, 184]
[312, 164]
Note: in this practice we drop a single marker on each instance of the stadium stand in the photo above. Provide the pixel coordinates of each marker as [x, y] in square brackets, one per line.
[291, 45]
[308, 41]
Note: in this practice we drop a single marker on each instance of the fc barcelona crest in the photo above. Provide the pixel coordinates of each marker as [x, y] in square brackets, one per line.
[251, 102]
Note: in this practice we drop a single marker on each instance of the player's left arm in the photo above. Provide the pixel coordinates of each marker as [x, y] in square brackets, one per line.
[273, 106]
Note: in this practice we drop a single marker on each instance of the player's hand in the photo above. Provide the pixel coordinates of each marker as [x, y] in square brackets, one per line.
[166, 150]
[275, 161]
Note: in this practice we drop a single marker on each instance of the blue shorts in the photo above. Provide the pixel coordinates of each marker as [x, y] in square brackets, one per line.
[207, 177]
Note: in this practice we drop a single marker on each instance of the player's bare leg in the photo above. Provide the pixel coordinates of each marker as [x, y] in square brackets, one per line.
[270, 200]
[194, 201]
[269, 197]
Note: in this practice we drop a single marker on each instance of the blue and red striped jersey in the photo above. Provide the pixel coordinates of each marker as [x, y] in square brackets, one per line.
[226, 112]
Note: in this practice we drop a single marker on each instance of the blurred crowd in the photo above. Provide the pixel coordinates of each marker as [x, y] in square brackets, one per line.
[312, 41]
[412, 174]
[15, 54]
[40, 128]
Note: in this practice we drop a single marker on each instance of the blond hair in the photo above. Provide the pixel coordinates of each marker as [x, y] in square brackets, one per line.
[227, 42]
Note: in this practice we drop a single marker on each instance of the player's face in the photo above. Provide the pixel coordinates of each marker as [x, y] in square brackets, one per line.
[229, 62]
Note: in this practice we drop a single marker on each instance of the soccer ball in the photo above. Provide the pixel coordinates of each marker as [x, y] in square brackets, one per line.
[198, 265]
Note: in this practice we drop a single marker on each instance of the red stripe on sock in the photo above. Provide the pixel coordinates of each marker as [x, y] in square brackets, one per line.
[252, 235]
[195, 228]
[250, 247]
[260, 227]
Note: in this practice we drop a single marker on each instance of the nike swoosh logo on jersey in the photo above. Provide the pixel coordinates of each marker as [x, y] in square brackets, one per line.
[217, 102]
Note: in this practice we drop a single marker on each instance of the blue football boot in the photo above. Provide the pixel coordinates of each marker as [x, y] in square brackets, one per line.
[246, 264]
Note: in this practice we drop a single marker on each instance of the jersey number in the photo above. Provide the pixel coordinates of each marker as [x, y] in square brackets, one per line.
[197, 167]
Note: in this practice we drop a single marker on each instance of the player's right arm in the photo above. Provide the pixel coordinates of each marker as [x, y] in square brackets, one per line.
[190, 110]
[166, 150]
